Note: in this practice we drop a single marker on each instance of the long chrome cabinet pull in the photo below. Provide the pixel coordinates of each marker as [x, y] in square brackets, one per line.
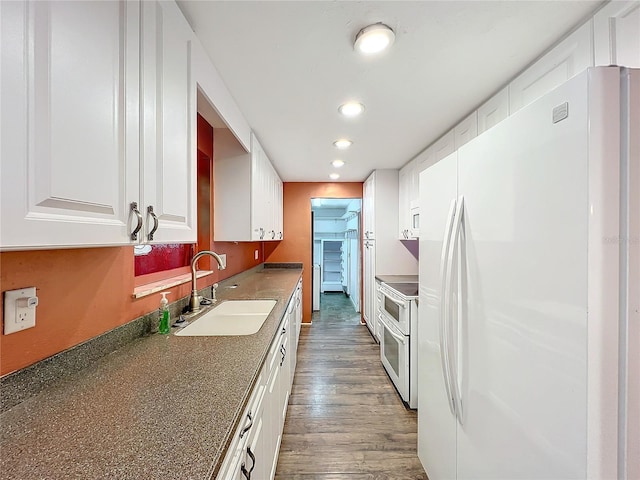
[444, 351]
[134, 209]
[155, 222]
[453, 352]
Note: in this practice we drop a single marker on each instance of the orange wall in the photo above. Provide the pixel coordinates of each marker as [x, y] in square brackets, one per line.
[296, 246]
[85, 292]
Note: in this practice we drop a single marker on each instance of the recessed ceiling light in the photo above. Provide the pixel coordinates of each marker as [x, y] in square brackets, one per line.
[374, 38]
[342, 143]
[334, 176]
[351, 109]
[337, 163]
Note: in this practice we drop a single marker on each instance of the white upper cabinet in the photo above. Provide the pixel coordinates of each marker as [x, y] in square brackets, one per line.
[69, 123]
[493, 111]
[368, 218]
[424, 160]
[404, 199]
[444, 147]
[408, 197]
[169, 113]
[266, 196]
[466, 130]
[570, 57]
[441, 148]
[616, 29]
[248, 197]
[85, 136]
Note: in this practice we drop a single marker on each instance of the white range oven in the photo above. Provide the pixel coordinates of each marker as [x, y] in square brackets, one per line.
[398, 316]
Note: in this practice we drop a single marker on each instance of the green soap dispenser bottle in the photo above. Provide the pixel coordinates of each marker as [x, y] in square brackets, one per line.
[164, 327]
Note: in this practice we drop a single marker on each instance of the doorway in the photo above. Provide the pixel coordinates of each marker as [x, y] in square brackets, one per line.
[336, 256]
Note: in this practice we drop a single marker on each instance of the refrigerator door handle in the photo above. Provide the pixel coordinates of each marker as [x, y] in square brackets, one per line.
[453, 352]
[444, 349]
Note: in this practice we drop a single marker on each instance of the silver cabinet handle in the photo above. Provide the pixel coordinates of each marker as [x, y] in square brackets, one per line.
[261, 233]
[273, 234]
[280, 235]
[155, 222]
[134, 209]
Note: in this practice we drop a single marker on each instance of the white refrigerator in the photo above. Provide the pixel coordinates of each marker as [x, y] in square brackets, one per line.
[529, 292]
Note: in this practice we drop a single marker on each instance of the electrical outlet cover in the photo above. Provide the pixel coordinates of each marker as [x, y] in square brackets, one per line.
[19, 309]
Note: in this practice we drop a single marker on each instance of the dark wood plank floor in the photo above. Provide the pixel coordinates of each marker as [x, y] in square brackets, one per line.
[345, 419]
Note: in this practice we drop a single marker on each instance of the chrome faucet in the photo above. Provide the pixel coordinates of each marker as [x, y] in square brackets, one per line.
[194, 302]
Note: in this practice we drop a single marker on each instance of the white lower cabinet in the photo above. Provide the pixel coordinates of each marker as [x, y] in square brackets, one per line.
[253, 453]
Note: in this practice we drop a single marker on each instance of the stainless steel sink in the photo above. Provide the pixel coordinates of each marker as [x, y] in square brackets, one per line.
[232, 317]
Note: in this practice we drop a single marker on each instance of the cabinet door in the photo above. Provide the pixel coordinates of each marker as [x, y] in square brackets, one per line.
[368, 196]
[69, 123]
[254, 459]
[169, 175]
[277, 206]
[259, 190]
[368, 276]
[443, 147]
[568, 58]
[466, 130]
[616, 29]
[493, 111]
[425, 160]
[404, 201]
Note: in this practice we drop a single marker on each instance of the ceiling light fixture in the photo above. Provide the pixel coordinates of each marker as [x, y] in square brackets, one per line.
[334, 176]
[351, 109]
[342, 143]
[337, 163]
[374, 38]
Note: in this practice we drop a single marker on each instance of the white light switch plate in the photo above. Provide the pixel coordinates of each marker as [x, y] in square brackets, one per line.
[223, 257]
[19, 309]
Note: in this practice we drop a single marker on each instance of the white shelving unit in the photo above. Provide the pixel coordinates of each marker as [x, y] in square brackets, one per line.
[332, 265]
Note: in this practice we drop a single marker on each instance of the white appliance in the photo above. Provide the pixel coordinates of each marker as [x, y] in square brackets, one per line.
[529, 291]
[397, 330]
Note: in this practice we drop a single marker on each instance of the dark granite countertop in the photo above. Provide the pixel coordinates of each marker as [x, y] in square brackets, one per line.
[162, 407]
[397, 278]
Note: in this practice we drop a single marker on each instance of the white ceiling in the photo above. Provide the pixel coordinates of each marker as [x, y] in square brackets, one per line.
[290, 64]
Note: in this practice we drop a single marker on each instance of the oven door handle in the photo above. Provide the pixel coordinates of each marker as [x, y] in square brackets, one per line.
[401, 338]
[400, 304]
